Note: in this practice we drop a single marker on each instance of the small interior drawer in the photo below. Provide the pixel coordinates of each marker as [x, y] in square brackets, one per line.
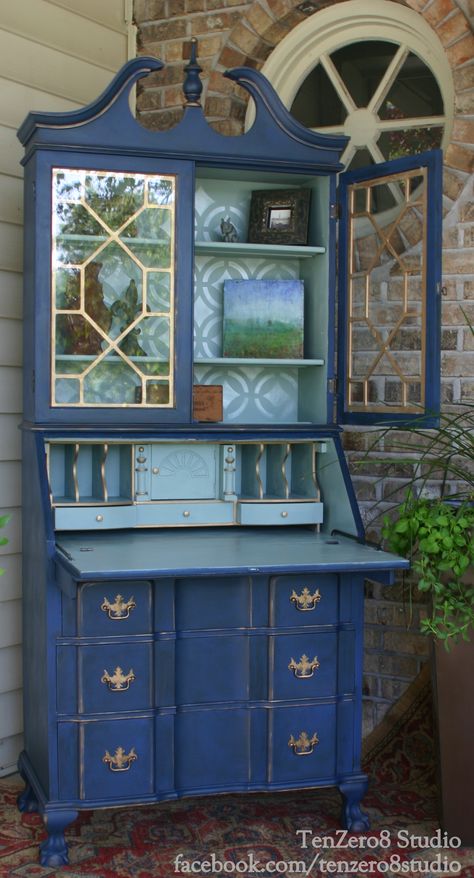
[177, 514]
[279, 513]
[94, 517]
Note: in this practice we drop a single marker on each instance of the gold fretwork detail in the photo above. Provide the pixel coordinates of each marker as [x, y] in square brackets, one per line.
[386, 309]
[105, 324]
[304, 745]
[304, 669]
[120, 761]
[118, 681]
[305, 601]
[120, 609]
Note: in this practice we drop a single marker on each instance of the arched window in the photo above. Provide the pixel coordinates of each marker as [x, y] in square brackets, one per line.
[371, 69]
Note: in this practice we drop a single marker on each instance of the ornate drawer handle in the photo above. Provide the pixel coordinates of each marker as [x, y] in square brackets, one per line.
[304, 669]
[120, 609]
[304, 745]
[305, 601]
[120, 761]
[118, 681]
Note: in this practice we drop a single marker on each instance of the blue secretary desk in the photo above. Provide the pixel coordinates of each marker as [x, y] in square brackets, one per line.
[193, 590]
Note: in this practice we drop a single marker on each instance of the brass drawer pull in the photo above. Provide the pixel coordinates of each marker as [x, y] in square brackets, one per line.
[120, 609]
[304, 669]
[304, 745]
[120, 761]
[305, 601]
[118, 681]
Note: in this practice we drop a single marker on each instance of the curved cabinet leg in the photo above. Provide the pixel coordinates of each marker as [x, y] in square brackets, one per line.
[352, 817]
[26, 801]
[53, 851]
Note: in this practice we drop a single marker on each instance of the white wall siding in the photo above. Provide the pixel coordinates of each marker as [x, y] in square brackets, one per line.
[55, 55]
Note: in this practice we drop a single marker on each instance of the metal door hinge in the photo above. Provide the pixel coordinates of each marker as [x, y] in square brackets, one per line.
[335, 210]
[332, 385]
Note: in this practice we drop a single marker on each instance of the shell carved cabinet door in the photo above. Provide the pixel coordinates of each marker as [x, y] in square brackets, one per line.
[194, 557]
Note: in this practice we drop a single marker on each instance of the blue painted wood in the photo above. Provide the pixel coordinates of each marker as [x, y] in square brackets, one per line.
[275, 137]
[181, 472]
[279, 513]
[212, 749]
[301, 683]
[212, 669]
[134, 777]
[217, 603]
[429, 416]
[294, 764]
[212, 552]
[292, 606]
[115, 610]
[37, 292]
[97, 694]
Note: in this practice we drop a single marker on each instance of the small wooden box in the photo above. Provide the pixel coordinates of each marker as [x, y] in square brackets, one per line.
[207, 402]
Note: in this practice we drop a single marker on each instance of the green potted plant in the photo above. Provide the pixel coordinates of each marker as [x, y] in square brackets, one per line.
[436, 532]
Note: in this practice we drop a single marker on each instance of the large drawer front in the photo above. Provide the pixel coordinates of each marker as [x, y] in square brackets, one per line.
[107, 759]
[303, 666]
[302, 599]
[302, 743]
[210, 669]
[115, 608]
[110, 678]
[212, 749]
[214, 602]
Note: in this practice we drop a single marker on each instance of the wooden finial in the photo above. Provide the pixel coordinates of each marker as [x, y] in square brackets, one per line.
[192, 84]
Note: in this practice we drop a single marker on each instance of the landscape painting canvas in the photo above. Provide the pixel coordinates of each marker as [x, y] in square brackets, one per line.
[263, 319]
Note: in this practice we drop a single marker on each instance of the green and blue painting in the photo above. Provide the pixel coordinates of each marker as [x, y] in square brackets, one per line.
[263, 319]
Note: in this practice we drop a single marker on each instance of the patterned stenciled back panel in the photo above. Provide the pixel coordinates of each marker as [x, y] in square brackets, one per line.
[113, 289]
[386, 304]
[253, 393]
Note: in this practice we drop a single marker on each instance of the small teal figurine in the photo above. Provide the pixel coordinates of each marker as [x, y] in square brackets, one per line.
[228, 231]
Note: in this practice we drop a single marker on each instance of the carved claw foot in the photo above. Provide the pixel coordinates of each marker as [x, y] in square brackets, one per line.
[27, 801]
[54, 851]
[352, 817]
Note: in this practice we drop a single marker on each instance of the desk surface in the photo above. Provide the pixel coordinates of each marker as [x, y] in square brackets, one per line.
[201, 551]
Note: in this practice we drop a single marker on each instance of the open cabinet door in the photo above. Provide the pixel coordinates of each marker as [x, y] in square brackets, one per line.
[389, 292]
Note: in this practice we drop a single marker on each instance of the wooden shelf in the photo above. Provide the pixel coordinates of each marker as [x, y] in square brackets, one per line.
[276, 251]
[253, 361]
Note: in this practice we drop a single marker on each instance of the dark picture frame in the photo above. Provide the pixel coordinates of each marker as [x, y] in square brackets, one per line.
[279, 216]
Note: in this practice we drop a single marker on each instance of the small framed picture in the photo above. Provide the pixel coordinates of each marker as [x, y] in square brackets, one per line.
[279, 216]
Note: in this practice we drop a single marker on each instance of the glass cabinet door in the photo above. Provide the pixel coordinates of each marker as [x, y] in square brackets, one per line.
[390, 272]
[113, 289]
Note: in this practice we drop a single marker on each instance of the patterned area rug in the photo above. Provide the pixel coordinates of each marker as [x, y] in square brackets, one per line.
[264, 835]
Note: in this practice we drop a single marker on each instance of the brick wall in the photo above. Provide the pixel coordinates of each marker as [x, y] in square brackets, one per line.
[231, 33]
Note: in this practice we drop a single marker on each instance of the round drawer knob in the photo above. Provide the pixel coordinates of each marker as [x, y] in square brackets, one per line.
[186, 513]
[99, 518]
[155, 470]
[284, 514]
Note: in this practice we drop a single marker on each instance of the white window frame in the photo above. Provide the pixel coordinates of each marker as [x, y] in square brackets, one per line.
[313, 40]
